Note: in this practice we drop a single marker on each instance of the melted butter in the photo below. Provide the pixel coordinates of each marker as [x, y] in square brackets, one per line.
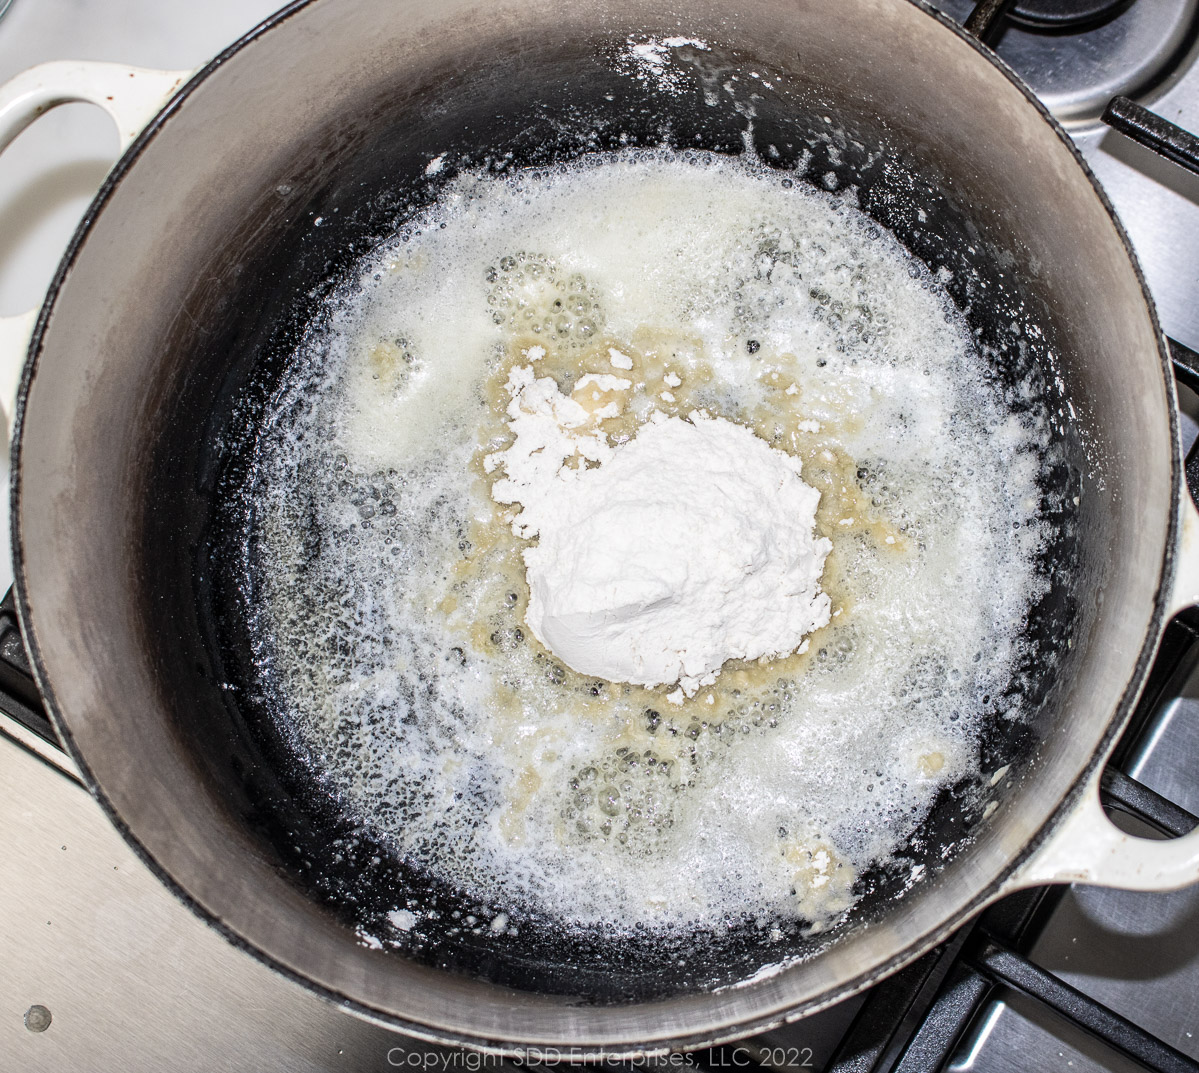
[393, 592]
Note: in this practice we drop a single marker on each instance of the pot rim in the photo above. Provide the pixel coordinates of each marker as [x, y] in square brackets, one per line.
[698, 1038]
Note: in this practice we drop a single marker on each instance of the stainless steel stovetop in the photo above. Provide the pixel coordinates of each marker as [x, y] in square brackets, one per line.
[100, 967]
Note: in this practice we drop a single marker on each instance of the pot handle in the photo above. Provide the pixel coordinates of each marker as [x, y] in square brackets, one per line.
[132, 96]
[1087, 847]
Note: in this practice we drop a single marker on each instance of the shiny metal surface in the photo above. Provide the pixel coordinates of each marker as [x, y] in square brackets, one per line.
[1159, 206]
[1075, 77]
[1016, 1037]
[15, 734]
[1158, 202]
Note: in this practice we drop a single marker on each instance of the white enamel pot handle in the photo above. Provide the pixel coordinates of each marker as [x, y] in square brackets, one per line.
[1087, 847]
[132, 96]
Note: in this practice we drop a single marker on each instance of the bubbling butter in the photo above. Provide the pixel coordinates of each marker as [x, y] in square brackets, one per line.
[393, 626]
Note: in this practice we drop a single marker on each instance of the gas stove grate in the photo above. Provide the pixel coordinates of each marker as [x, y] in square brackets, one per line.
[18, 691]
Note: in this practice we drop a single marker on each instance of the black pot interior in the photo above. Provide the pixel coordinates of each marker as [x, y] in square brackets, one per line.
[366, 177]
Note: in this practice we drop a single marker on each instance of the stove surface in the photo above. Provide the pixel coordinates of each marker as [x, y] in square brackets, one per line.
[1076, 75]
[131, 980]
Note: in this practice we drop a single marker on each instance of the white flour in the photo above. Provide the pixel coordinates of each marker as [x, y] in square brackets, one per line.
[687, 546]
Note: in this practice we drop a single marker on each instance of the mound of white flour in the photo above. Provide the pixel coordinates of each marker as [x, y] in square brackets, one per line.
[687, 546]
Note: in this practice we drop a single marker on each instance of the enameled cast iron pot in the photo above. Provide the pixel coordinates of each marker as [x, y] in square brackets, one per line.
[252, 192]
